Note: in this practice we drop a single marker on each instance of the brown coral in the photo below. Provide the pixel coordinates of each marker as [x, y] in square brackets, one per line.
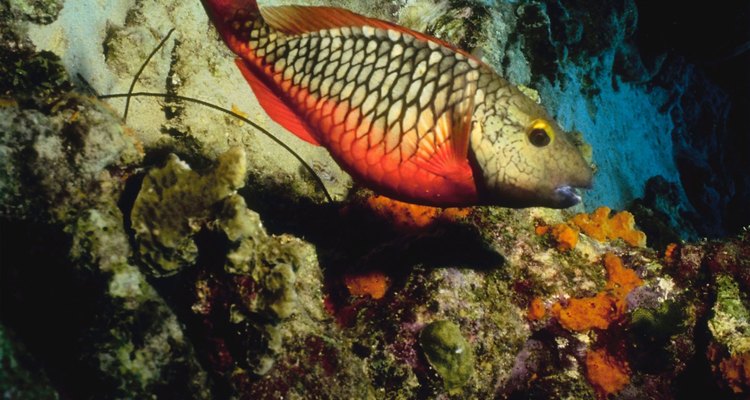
[736, 372]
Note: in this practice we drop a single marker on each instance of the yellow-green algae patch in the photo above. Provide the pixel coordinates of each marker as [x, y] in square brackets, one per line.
[175, 203]
[448, 352]
[730, 324]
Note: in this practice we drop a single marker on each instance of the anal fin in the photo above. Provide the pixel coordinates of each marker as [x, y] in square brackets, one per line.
[275, 106]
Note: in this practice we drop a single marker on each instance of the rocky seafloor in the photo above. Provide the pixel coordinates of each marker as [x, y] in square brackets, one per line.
[179, 253]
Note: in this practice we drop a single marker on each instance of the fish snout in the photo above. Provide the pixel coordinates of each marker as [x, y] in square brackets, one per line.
[568, 194]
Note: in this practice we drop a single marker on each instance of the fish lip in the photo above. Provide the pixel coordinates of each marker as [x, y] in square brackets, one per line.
[567, 196]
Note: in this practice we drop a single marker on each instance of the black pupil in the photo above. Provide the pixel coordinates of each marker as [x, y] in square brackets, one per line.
[539, 137]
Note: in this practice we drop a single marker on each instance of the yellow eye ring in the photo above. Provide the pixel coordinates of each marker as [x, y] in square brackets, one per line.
[540, 133]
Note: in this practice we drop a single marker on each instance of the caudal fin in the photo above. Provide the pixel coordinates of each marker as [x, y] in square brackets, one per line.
[222, 12]
[239, 23]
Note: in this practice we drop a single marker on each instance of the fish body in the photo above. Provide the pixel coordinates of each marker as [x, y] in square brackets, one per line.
[404, 113]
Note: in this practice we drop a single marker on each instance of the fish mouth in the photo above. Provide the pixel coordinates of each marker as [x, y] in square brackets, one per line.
[566, 196]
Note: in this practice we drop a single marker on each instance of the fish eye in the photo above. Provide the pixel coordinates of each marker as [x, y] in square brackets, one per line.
[540, 133]
[539, 138]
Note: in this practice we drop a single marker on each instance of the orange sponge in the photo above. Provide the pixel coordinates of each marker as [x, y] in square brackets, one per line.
[607, 374]
[565, 236]
[604, 307]
[373, 283]
[406, 215]
[601, 227]
[536, 310]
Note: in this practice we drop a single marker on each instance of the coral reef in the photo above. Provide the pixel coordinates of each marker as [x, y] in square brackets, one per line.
[82, 273]
[182, 255]
[730, 330]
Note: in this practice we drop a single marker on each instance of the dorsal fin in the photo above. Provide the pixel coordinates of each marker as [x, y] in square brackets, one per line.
[274, 106]
[295, 20]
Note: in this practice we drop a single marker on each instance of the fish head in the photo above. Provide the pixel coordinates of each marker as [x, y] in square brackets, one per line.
[522, 158]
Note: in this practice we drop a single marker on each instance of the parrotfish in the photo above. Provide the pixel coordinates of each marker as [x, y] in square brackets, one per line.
[406, 114]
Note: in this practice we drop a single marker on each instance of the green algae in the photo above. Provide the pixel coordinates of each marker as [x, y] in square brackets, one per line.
[39, 76]
[62, 162]
[37, 11]
[448, 352]
[463, 25]
[570, 385]
[730, 323]
[652, 331]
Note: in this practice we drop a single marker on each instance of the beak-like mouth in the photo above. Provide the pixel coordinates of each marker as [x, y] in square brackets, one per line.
[567, 196]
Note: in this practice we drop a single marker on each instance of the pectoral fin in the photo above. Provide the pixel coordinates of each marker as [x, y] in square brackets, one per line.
[447, 154]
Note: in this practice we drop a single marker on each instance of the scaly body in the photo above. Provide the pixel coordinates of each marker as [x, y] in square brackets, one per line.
[405, 114]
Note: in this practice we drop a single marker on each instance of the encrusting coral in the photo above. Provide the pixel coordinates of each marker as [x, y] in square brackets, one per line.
[598, 225]
[412, 216]
[370, 283]
[565, 236]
